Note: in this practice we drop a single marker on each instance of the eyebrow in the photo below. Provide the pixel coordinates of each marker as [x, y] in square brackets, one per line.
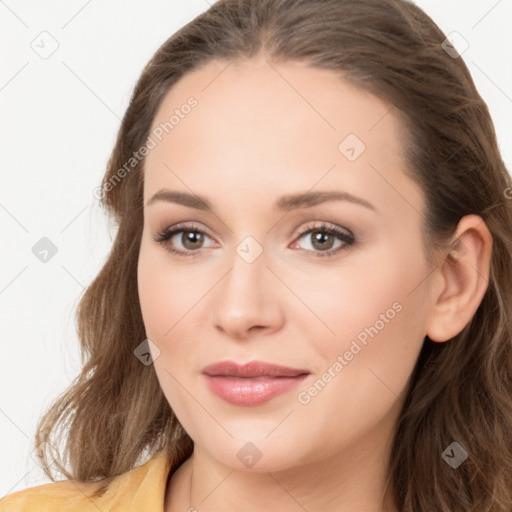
[285, 203]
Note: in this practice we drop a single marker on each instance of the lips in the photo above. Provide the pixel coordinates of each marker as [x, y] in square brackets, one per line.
[253, 383]
[251, 370]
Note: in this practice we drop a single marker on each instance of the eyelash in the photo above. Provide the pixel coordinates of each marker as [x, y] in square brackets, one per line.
[163, 236]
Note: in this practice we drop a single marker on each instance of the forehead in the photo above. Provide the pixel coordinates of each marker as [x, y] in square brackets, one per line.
[258, 125]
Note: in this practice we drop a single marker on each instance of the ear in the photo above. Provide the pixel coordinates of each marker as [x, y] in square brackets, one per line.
[461, 279]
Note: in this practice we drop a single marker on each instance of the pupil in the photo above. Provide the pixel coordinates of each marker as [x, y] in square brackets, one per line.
[193, 238]
[321, 239]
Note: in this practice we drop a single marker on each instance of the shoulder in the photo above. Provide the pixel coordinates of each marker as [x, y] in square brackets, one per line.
[57, 496]
[142, 488]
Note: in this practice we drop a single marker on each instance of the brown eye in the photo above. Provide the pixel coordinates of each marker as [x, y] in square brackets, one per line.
[192, 239]
[324, 237]
[189, 237]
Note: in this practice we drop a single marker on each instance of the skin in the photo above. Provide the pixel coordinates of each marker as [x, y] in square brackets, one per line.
[260, 131]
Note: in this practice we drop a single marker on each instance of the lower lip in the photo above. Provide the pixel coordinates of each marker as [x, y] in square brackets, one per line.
[251, 391]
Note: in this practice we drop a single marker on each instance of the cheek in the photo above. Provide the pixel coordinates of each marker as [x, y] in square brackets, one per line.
[166, 293]
[368, 362]
[150, 282]
[376, 318]
[163, 307]
[344, 301]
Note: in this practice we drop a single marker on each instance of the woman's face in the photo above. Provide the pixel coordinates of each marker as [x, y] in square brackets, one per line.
[250, 283]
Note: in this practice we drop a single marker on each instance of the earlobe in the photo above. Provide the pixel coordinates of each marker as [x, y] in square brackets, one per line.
[463, 277]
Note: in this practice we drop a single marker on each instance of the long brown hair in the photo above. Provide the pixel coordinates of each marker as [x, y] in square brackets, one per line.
[114, 415]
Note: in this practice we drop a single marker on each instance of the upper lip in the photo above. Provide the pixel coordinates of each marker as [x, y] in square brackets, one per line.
[252, 369]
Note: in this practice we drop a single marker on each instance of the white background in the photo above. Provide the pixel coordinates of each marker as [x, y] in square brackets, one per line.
[58, 119]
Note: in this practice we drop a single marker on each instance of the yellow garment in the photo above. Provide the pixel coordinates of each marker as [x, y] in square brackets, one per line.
[140, 490]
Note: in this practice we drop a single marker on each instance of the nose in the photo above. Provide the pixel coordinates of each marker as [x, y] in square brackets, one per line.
[247, 299]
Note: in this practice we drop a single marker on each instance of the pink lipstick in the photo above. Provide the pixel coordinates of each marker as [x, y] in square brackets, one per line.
[253, 383]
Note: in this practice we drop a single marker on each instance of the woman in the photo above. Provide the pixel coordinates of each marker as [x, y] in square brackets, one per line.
[307, 304]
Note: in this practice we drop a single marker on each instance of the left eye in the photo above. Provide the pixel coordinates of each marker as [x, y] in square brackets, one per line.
[323, 239]
[192, 239]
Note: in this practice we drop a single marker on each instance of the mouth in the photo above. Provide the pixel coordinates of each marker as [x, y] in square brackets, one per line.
[251, 384]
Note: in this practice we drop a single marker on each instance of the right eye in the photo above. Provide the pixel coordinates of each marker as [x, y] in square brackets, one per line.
[191, 239]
